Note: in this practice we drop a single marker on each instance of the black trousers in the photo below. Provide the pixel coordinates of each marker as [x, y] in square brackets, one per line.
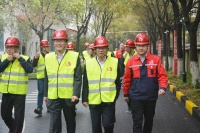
[56, 106]
[142, 109]
[18, 102]
[103, 112]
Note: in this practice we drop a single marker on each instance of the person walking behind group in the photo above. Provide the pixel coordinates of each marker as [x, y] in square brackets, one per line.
[38, 61]
[101, 87]
[129, 52]
[85, 53]
[14, 84]
[92, 51]
[119, 56]
[63, 79]
[145, 78]
[71, 46]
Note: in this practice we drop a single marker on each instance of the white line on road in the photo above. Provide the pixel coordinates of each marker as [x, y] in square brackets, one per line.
[32, 94]
[31, 99]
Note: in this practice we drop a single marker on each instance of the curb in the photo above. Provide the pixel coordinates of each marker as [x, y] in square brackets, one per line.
[189, 105]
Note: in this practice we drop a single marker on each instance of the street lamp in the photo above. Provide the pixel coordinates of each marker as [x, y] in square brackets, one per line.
[183, 44]
[167, 64]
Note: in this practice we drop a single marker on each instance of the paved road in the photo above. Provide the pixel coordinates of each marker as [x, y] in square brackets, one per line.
[171, 117]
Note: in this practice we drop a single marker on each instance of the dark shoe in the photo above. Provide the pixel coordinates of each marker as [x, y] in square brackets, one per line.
[38, 111]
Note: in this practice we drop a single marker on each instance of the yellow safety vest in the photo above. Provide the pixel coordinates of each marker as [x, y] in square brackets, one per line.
[86, 55]
[102, 86]
[14, 79]
[114, 53]
[127, 56]
[109, 53]
[40, 67]
[60, 76]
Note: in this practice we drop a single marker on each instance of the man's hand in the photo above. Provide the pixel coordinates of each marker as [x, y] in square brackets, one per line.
[85, 104]
[37, 55]
[45, 99]
[10, 58]
[74, 98]
[126, 99]
[161, 92]
[16, 55]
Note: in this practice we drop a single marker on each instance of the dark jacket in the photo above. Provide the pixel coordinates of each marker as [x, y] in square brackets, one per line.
[143, 80]
[35, 61]
[27, 65]
[77, 82]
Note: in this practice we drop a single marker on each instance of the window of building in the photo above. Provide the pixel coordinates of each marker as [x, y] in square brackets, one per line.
[49, 38]
[1, 42]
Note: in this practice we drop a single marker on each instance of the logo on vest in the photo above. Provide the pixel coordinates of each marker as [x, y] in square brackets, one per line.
[109, 69]
[68, 64]
[19, 65]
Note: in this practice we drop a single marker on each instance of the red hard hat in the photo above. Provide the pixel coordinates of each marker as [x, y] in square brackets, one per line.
[44, 43]
[60, 34]
[86, 44]
[130, 43]
[12, 41]
[70, 45]
[91, 46]
[142, 39]
[101, 41]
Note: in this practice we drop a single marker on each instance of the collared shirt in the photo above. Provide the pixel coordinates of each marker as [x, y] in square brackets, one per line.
[59, 57]
[142, 58]
[101, 63]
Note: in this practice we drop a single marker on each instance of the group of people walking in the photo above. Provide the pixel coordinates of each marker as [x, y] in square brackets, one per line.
[59, 81]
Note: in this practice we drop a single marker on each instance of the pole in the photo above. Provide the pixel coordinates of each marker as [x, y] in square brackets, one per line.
[184, 73]
[167, 64]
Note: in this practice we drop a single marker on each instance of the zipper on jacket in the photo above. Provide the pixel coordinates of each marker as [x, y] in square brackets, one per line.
[9, 77]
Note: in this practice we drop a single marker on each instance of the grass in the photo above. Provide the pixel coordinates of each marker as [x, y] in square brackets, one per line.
[191, 91]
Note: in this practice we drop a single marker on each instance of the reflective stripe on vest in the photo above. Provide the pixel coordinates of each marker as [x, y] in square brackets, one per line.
[102, 86]
[40, 67]
[14, 79]
[60, 76]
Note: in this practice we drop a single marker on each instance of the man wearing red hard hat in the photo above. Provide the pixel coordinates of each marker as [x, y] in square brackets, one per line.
[101, 87]
[14, 84]
[145, 78]
[38, 62]
[63, 79]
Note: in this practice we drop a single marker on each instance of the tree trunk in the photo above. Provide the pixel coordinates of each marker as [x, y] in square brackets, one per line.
[77, 42]
[179, 49]
[170, 62]
[194, 67]
[180, 67]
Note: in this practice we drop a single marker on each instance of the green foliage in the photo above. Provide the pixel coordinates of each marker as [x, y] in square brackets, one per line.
[192, 92]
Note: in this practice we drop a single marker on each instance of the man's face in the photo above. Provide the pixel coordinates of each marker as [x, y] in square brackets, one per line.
[128, 49]
[60, 45]
[47, 49]
[121, 46]
[141, 49]
[11, 50]
[101, 51]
